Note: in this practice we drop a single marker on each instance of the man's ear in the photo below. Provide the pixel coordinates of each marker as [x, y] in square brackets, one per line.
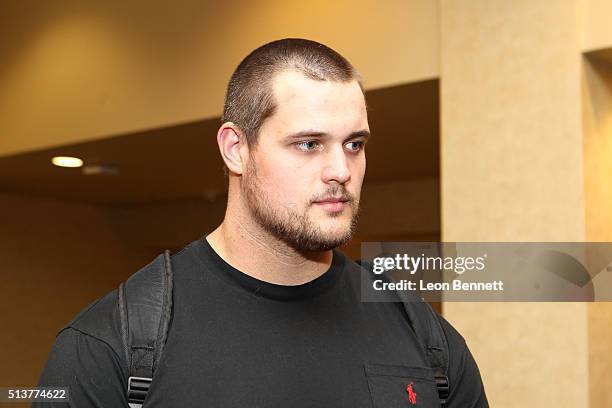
[230, 140]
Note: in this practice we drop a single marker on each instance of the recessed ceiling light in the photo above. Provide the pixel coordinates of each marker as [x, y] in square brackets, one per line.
[67, 161]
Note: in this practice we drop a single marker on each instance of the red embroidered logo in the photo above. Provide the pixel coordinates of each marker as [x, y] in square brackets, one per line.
[411, 394]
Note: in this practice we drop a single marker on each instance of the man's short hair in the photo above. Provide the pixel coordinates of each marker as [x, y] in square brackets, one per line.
[249, 99]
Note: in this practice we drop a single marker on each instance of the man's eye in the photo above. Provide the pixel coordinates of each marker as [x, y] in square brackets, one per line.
[308, 145]
[355, 146]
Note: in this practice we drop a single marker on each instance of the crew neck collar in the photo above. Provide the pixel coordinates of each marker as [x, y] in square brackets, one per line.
[271, 290]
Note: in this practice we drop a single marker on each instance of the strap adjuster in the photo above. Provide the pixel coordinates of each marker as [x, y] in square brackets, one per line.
[138, 388]
[443, 386]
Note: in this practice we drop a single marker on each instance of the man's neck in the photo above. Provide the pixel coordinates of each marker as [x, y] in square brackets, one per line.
[256, 253]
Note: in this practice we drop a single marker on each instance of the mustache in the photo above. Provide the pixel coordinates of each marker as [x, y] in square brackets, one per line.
[335, 192]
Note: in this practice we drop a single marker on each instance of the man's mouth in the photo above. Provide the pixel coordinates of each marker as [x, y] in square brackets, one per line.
[333, 204]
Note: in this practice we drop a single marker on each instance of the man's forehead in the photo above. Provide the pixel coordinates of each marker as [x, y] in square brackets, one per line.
[298, 98]
[292, 82]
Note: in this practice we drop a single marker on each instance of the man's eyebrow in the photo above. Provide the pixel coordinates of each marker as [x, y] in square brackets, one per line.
[315, 133]
[306, 133]
[361, 133]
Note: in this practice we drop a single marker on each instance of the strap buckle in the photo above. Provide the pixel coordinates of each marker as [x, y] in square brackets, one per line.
[443, 386]
[138, 388]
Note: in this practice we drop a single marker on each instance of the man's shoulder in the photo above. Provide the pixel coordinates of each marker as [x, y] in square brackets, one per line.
[428, 316]
[100, 320]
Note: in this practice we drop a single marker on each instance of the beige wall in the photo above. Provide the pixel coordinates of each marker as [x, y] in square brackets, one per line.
[56, 259]
[597, 114]
[595, 23]
[512, 171]
[597, 124]
[74, 70]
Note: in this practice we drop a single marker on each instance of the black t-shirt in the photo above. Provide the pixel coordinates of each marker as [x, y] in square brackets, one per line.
[235, 341]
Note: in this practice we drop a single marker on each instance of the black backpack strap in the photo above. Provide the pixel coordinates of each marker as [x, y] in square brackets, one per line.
[427, 326]
[145, 306]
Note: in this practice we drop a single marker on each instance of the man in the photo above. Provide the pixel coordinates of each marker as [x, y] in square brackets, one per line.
[266, 312]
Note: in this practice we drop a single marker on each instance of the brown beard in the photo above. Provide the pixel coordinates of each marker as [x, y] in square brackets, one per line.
[289, 226]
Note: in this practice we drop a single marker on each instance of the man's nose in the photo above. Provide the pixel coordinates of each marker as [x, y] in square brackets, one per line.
[336, 166]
